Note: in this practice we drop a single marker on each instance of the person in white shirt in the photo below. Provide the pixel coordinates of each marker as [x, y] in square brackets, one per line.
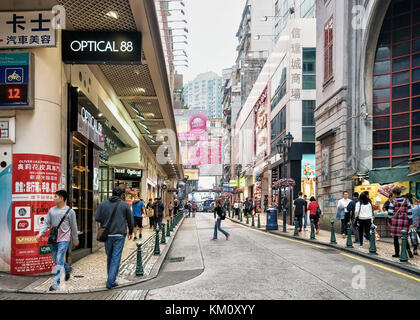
[364, 215]
[341, 212]
[236, 208]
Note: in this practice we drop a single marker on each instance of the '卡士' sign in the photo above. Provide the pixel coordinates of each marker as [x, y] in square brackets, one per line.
[90, 47]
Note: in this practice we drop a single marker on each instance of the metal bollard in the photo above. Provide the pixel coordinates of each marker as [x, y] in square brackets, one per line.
[163, 239]
[296, 234]
[157, 248]
[168, 232]
[403, 256]
[240, 215]
[139, 269]
[372, 248]
[333, 240]
[349, 243]
[253, 221]
[312, 230]
[259, 222]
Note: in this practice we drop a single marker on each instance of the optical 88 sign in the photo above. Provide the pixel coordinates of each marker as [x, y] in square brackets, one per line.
[83, 47]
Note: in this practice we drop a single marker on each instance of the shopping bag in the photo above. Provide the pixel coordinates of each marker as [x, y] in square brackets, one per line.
[377, 237]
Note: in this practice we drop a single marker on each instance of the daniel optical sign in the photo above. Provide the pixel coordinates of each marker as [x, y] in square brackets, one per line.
[89, 47]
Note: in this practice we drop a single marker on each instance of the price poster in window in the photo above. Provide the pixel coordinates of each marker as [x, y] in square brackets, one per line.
[35, 179]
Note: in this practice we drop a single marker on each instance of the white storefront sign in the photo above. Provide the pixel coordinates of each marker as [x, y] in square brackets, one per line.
[26, 29]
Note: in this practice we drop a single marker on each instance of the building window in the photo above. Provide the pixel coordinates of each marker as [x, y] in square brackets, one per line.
[328, 48]
[278, 84]
[309, 69]
[396, 87]
[308, 120]
[307, 8]
[278, 125]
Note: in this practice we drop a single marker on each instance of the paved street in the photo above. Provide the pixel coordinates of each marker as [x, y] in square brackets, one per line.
[255, 265]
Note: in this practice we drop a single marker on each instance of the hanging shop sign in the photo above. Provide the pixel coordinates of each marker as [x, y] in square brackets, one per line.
[91, 47]
[35, 179]
[16, 80]
[128, 174]
[26, 29]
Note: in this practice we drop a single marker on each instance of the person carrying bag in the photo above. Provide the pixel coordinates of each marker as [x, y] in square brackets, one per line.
[103, 232]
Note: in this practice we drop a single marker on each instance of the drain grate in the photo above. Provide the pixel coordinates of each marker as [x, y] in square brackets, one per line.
[177, 259]
[79, 276]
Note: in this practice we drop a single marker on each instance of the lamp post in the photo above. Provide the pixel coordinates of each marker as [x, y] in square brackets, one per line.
[238, 174]
[283, 148]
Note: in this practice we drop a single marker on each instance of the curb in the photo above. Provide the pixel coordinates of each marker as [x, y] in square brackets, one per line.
[153, 273]
[405, 267]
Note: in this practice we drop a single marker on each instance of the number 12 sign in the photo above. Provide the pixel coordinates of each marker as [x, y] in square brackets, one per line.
[16, 84]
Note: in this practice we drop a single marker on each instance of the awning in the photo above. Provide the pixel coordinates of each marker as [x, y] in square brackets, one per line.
[388, 175]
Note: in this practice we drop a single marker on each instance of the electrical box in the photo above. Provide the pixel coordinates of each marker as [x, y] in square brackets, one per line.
[7, 130]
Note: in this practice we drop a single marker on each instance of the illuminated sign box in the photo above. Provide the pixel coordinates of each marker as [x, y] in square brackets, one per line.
[16, 80]
[91, 47]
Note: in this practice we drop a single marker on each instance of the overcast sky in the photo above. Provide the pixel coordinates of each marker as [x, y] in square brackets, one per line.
[212, 28]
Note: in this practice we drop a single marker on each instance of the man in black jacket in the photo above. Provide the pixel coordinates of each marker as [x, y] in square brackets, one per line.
[121, 217]
[158, 209]
[350, 214]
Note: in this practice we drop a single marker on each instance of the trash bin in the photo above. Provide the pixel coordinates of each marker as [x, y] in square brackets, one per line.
[272, 223]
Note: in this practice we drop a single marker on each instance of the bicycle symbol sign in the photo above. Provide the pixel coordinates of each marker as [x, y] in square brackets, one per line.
[14, 75]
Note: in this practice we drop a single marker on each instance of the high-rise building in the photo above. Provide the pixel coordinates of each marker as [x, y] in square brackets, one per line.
[204, 93]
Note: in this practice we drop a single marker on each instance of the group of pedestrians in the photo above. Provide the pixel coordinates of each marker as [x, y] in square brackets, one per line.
[360, 213]
[302, 209]
[190, 208]
[118, 221]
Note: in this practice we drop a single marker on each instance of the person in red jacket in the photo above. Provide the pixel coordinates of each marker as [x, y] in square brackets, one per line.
[312, 208]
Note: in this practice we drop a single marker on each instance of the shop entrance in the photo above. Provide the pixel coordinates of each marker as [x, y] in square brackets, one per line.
[82, 193]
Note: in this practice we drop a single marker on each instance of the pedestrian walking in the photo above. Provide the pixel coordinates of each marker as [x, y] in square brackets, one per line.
[220, 214]
[150, 214]
[299, 207]
[236, 208]
[115, 215]
[305, 214]
[254, 206]
[315, 213]
[194, 208]
[247, 207]
[265, 203]
[62, 219]
[139, 212]
[350, 216]
[341, 212]
[170, 208]
[158, 209]
[176, 207]
[401, 213]
[364, 216]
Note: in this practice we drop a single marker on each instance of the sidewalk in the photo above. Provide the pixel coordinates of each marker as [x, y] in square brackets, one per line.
[384, 247]
[89, 274]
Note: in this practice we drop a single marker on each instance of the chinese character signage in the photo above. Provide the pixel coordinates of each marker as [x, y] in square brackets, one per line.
[261, 128]
[35, 180]
[16, 80]
[26, 29]
[5, 214]
[295, 64]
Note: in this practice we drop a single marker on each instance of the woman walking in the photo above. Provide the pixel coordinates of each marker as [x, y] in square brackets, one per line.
[315, 212]
[219, 216]
[401, 213]
[364, 215]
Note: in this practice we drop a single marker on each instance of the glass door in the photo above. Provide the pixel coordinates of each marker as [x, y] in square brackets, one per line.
[80, 189]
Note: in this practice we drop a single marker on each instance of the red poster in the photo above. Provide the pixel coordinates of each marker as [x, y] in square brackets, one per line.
[35, 180]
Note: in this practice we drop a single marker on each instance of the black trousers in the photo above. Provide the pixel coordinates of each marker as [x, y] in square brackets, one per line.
[364, 226]
[315, 219]
[343, 226]
[299, 220]
[397, 245]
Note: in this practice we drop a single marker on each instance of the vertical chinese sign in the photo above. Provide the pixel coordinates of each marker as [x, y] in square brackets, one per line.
[35, 180]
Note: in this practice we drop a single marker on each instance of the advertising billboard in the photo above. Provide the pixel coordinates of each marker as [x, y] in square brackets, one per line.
[35, 179]
[308, 175]
[191, 125]
[192, 174]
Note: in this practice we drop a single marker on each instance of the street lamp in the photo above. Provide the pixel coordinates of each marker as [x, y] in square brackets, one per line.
[283, 148]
